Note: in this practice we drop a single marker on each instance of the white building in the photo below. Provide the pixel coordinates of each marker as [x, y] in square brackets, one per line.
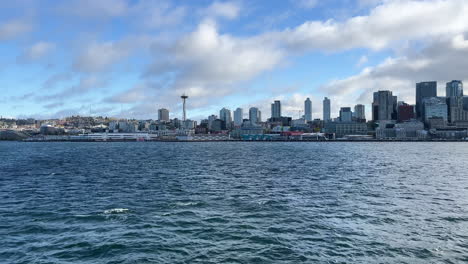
[255, 116]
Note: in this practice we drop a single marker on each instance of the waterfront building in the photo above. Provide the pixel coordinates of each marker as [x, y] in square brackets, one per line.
[255, 116]
[345, 114]
[218, 125]
[405, 112]
[326, 109]
[384, 106]
[301, 122]
[435, 107]
[360, 113]
[280, 121]
[238, 116]
[163, 115]
[454, 89]
[276, 109]
[456, 110]
[308, 110]
[410, 130]
[424, 90]
[341, 129]
[436, 122]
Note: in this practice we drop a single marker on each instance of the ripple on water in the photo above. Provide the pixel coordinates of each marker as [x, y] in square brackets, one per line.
[233, 203]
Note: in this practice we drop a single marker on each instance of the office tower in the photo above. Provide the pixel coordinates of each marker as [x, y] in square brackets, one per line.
[360, 112]
[276, 109]
[225, 115]
[163, 115]
[384, 106]
[454, 89]
[255, 115]
[238, 116]
[346, 115]
[435, 107]
[456, 110]
[405, 112]
[326, 109]
[308, 110]
[211, 118]
[424, 90]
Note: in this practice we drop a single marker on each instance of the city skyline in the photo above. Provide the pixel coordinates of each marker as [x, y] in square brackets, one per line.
[128, 58]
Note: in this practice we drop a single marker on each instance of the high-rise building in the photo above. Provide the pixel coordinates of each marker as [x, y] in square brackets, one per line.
[454, 89]
[424, 90]
[308, 110]
[360, 113]
[163, 115]
[456, 110]
[255, 116]
[238, 116]
[345, 114]
[435, 107]
[326, 109]
[225, 115]
[276, 109]
[384, 106]
[211, 118]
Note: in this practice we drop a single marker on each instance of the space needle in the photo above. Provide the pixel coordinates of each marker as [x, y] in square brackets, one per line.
[184, 98]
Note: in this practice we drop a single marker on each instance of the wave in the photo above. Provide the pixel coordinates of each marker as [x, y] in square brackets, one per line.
[116, 211]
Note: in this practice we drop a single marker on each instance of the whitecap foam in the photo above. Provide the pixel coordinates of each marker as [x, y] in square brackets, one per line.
[187, 203]
[116, 211]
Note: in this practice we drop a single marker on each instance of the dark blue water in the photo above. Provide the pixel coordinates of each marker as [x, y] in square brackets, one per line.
[233, 202]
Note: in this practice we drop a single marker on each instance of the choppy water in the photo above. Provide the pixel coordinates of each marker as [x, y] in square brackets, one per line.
[233, 202]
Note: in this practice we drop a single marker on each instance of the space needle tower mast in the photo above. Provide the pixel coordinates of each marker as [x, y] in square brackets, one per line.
[184, 98]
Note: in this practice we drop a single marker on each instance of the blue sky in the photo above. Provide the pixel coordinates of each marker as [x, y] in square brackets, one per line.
[127, 58]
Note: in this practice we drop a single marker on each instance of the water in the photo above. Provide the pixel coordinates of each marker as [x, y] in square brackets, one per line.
[233, 202]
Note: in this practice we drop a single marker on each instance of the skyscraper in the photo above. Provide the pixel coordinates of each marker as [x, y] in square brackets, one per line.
[345, 114]
[454, 89]
[255, 116]
[225, 115]
[384, 106]
[424, 90]
[360, 112]
[163, 115]
[308, 110]
[276, 109]
[238, 116]
[326, 109]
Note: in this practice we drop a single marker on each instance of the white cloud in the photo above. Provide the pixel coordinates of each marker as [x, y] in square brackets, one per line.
[37, 51]
[386, 24]
[440, 61]
[207, 63]
[229, 10]
[306, 3]
[13, 29]
[95, 8]
[102, 56]
[362, 60]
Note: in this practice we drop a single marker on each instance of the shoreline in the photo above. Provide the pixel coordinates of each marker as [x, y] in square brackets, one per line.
[249, 141]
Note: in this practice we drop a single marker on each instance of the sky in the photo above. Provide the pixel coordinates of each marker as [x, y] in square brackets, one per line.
[128, 58]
